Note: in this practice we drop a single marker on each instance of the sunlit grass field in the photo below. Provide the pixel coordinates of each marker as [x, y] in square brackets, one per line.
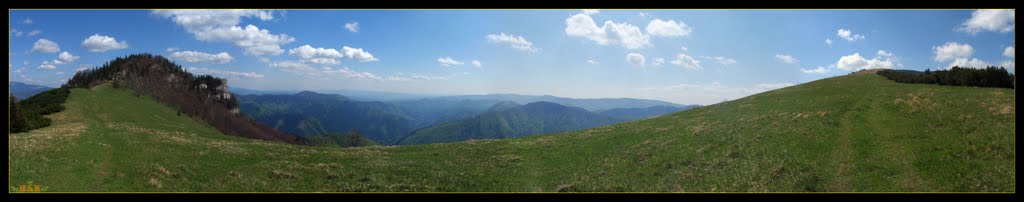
[857, 133]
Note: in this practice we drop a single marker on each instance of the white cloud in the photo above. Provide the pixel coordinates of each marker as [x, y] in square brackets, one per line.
[1008, 52]
[47, 65]
[720, 60]
[27, 21]
[517, 42]
[952, 50]
[16, 33]
[684, 48]
[101, 43]
[35, 32]
[195, 20]
[201, 57]
[883, 53]
[636, 59]
[856, 62]
[357, 54]
[593, 62]
[819, 70]
[476, 63]
[307, 53]
[1008, 64]
[66, 57]
[658, 27]
[45, 46]
[171, 49]
[352, 26]
[349, 73]
[828, 41]
[254, 40]
[993, 20]
[658, 61]
[221, 26]
[448, 61]
[969, 63]
[786, 58]
[848, 35]
[591, 11]
[611, 33]
[60, 72]
[686, 61]
[201, 70]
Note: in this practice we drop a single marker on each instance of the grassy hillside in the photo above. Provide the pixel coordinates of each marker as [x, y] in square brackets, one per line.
[850, 133]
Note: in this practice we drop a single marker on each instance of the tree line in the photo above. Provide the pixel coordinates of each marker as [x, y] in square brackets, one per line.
[27, 114]
[956, 76]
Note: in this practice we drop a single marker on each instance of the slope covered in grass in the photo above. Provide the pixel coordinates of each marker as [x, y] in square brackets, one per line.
[850, 133]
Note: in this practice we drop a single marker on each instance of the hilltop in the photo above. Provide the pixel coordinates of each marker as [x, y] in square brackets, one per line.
[849, 133]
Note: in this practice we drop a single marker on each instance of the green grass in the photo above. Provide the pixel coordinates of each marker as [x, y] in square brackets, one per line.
[859, 133]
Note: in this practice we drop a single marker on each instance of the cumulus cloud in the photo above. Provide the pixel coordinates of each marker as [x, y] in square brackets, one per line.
[670, 28]
[221, 26]
[101, 43]
[27, 21]
[66, 57]
[307, 53]
[295, 67]
[517, 42]
[635, 59]
[1008, 64]
[720, 60]
[35, 32]
[352, 26]
[686, 61]
[819, 70]
[593, 62]
[786, 58]
[591, 11]
[349, 73]
[969, 63]
[47, 65]
[857, 62]
[951, 51]
[448, 61]
[610, 33]
[1008, 52]
[993, 20]
[201, 70]
[201, 57]
[357, 54]
[848, 35]
[883, 53]
[828, 41]
[476, 63]
[45, 46]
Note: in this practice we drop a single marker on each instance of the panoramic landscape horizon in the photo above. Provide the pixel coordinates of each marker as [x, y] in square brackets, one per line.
[559, 100]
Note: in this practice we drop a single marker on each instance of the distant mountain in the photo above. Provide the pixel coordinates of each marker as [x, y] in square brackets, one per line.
[309, 113]
[502, 106]
[23, 90]
[246, 91]
[432, 111]
[646, 112]
[363, 95]
[591, 104]
[529, 119]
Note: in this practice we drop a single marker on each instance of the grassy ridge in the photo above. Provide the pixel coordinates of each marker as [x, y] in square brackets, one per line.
[850, 133]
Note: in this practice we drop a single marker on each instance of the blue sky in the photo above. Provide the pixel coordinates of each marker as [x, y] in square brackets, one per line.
[682, 56]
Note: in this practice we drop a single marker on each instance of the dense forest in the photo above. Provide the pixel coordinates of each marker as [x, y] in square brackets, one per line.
[956, 76]
[28, 114]
[205, 97]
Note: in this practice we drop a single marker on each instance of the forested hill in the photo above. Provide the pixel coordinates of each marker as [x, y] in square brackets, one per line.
[204, 96]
